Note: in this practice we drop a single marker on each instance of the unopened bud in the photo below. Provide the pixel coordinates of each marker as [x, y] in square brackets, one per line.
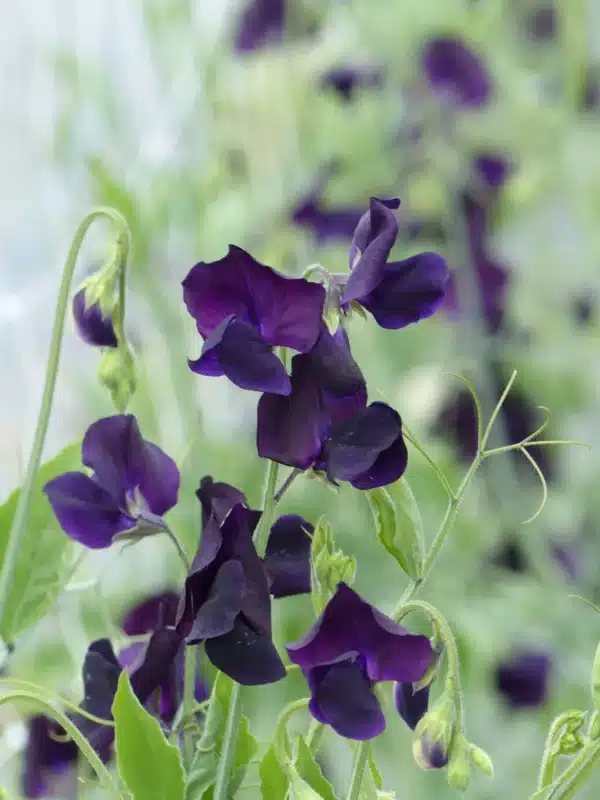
[434, 734]
[330, 566]
[459, 765]
[116, 372]
[481, 760]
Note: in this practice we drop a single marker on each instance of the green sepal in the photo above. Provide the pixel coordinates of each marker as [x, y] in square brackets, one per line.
[329, 566]
[117, 373]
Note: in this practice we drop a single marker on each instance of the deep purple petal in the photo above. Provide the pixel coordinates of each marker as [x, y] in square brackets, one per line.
[351, 625]
[154, 612]
[492, 170]
[217, 499]
[236, 349]
[101, 671]
[92, 326]
[248, 657]
[523, 679]
[333, 366]
[289, 428]
[389, 465]
[411, 705]
[49, 765]
[158, 661]
[287, 556]
[456, 72]
[86, 512]
[260, 23]
[285, 311]
[373, 239]
[356, 444]
[408, 291]
[218, 613]
[345, 700]
[123, 462]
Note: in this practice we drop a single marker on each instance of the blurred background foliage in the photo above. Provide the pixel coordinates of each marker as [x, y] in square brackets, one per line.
[149, 107]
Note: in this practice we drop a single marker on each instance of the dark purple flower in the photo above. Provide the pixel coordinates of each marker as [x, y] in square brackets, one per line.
[411, 705]
[49, 761]
[287, 556]
[510, 556]
[456, 72]
[541, 23]
[523, 679]
[492, 283]
[260, 23]
[396, 293]
[345, 80]
[351, 647]
[134, 483]
[156, 612]
[226, 602]
[93, 326]
[590, 98]
[491, 170]
[325, 423]
[242, 310]
[584, 308]
[326, 224]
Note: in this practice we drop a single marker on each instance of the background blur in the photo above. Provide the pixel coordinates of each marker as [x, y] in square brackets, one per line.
[206, 129]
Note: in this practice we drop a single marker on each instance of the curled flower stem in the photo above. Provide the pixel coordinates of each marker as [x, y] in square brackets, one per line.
[189, 700]
[74, 733]
[280, 739]
[50, 697]
[440, 475]
[21, 517]
[361, 757]
[229, 742]
[575, 775]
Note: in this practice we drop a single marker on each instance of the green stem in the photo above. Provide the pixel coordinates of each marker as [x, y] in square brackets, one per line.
[178, 546]
[21, 517]
[75, 734]
[229, 743]
[280, 739]
[358, 770]
[269, 504]
[189, 699]
[576, 774]
[314, 735]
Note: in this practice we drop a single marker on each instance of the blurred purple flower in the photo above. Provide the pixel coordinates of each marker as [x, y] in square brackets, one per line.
[134, 483]
[541, 23]
[326, 224]
[49, 761]
[523, 679]
[242, 310]
[92, 325]
[260, 23]
[350, 648]
[411, 705]
[346, 80]
[584, 308]
[456, 72]
[325, 423]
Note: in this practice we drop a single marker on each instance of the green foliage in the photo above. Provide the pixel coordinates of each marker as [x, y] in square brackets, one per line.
[273, 780]
[44, 558]
[150, 766]
[310, 771]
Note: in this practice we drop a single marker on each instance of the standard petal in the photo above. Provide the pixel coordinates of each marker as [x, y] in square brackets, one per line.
[355, 444]
[456, 72]
[157, 663]
[286, 311]
[333, 366]
[238, 350]
[217, 499]
[151, 613]
[86, 512]
[93, 327]
[157, 478]
[408, 291]
[351, 625]
[411, 705]
[248, 657]
[389, 465]
[345, 700]
[111, 447]
[218, 613]
[287, 556]
[374, 237]
[289, 428]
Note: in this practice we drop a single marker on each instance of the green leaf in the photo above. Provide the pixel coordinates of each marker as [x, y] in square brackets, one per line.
[310, 771]
[245, 749]
[44, 557]
[300, 790]
[273, 780]
[377, 779]
[398, 525]
[150, 766]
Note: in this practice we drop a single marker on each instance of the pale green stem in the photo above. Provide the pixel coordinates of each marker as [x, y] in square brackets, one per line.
[361, 757]
[189, 699]
[21, 517]
[50, 697]
[269, 504]
[178, 546]
[229, 743]
[75, 734]
[314, 735]
[576, 774]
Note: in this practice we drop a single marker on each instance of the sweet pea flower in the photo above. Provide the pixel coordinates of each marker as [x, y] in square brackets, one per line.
[455, 72]
[94, 326]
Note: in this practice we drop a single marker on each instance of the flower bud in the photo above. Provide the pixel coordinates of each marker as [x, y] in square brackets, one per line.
[116, 372]
[459, 765]
[434, 734]
[329, 566]
[411, 703]
[93, 319]
[481, 759]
